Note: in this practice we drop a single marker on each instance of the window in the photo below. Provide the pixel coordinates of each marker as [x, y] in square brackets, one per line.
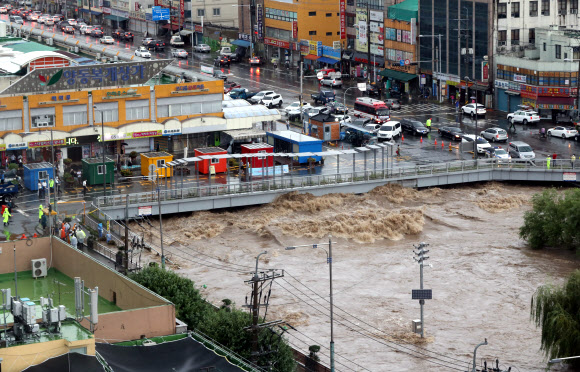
[10, 120]
[532, 36]
[42, 175]
[576, 52]
[329, 34]
[42, 117]
[545, 7]
[216, 12]
[201, 12]
[161, 163]
[281, 15]
[100, 169]
[349, 21]
[311, 14]
[502, 10]
[562, 7]
[573, 6]
[558, 51]
[372, 4]
[533, 8]
[544, 47]
[109, 112]
[215, 160]
[501, 37]
[565, 55]
[311, 32]
[329, 14]
[277, 33]
[516, 37]
[516, 9]
[74, 115]
[137, 109]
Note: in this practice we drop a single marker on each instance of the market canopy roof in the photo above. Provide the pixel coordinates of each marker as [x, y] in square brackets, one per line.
[241, 43]
[116, 18]
[397, 75]
[311, 57]
[327, 60]
[404, 11]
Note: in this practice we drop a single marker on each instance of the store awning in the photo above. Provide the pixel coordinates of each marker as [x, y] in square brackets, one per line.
[555, 103]
[362, 57]
[173, 27]
[311, 57]
[245, 134]
[116, 18]
[241, 43]
[397, 75]
[185, 32]
[327, 60]
[94, 12]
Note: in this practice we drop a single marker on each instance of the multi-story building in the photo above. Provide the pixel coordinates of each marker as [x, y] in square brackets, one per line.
[223, 13]
[466, 47]
[544, 77]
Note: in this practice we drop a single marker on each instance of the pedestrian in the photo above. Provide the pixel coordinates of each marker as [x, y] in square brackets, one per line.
[51, 185]
[39, 189]
[84, 188]
[572, 160]
[57, 184]
[287, 128]
[81, 238]
[73, 241]
[40, 212]
[109, 237]
[554, 156]
[62, 233]
[44, 188]
[79, 175]
[66, 227]
[398, 151]
[548, 162]
[12, 158]
[428, 124]
[20, 165]
[6, 215]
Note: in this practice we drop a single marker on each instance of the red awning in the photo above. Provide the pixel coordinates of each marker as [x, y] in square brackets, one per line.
[555, 100]
[311, 57]
[175, 27]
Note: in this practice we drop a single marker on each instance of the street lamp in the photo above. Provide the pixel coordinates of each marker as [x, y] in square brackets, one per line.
[329, 262]
[467, 79]
[251, 26]
[438, 64]
[475, 353]
[577, 83]
[103, 142]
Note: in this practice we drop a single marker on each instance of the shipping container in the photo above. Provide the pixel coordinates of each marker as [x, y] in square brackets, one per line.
[34, 172]
[257, 148]
[292, 142]
[203, 167]
[158, 159]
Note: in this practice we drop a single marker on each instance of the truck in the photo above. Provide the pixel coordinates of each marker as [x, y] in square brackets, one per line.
[241, 93]
[324, 96]
[226, 51]
[176, 41]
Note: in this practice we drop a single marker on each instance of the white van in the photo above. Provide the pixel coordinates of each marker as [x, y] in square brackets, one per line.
[389, 131]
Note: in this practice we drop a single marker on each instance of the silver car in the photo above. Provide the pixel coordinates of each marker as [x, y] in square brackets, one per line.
[203, 48]
[393, 104]
[494, 135]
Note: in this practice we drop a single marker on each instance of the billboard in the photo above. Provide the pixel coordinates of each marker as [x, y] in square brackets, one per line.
[159, 14]
[342, 19]
[260, 21]
[360, 43]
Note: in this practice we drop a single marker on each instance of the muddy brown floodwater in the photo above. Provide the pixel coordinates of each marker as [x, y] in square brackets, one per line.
[483, 274]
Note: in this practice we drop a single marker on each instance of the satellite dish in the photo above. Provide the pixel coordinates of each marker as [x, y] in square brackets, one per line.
[319, 75]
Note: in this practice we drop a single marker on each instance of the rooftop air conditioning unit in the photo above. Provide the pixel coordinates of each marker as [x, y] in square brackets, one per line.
[39, 268]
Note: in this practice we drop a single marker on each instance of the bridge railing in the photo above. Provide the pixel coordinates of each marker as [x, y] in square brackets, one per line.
[289, 182]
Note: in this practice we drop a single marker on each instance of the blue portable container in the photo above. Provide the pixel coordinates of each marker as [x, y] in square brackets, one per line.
[293, 142]
[36, 171]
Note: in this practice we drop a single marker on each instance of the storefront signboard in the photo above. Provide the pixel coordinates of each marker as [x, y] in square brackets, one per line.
[276, 42]
[59, 142]
[342, 19]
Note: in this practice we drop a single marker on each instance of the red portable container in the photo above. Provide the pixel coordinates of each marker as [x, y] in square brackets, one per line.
[256, 148]
[219, 164]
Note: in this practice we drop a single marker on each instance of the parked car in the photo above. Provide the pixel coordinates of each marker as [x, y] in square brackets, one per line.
[146, 41]
[313, 111]
[495, 134]
[156, 45]
[258, 97]
[393, 103]
[202, 48]
[69, 29]
[524, 117]
[272, 100]
[335, 82]
[107, 40]
[176, 41]
[143, 52]
[179, 53]
[127, 36]
[453, 133]
[497, 152]
[469, 109]
[482, 144]
[293, 110]
[96, 33]
[255, 61]
[564, 132]
[414, 127]
[230, 85]
[519, 149]
[221, 61]
[389, 131]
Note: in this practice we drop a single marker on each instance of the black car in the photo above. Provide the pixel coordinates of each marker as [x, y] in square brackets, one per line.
[127, 36]
[372, 90]
[118, 34]
[413, 126]
[453, 133]
[79, 25]
[99, 28]
[69, 29]
[62, 24]
[155, 45]
[337, 108]
[97, 33]
[222, 61]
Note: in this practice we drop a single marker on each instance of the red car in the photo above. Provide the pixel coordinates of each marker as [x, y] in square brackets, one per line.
[228, 86]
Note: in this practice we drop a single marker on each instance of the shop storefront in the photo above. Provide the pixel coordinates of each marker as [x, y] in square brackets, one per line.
[283, 50]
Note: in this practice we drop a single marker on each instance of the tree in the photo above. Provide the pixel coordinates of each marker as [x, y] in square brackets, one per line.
[557, 311]
[554, 220]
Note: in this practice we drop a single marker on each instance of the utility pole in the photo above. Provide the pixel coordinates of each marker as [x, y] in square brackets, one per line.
[301, 79]
[421, 294]
[368, 42]
[127, 234]
[475, 354]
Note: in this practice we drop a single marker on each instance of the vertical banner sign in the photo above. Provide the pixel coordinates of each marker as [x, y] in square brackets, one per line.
[260, 26]
[360, 43]
[342, 19]
[294, 29]
[182, 12]
[485, 70]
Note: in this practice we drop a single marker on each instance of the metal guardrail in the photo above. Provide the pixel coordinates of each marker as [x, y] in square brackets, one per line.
[300, 183]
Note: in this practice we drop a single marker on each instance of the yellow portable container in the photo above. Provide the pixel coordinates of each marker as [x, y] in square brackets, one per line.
[154, 163]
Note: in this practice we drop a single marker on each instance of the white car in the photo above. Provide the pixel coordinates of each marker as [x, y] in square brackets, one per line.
[72, 21]
[42, 18]
[107, 40]
[143, 52]
[86, 30]
[332, 81]
[388, 130]
[258, 97]
[313, 111]
[49, 21]
[3, 10]
[343, 119]
[482, 144]
[179, 53]
[469, 109]
[564, 132]
[272, 100]
[202, 48]
[524, 117]
[294, 108]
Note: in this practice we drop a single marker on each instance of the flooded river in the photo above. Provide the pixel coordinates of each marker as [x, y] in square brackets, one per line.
[482, 274]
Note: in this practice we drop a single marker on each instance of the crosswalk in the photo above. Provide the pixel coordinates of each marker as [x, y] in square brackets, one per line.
[423, 108]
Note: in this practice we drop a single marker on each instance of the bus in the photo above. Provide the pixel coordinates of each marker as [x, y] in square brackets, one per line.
[372, 108]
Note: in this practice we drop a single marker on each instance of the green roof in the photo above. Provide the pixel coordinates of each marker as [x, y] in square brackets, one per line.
[404, 11]
[397, 75]
[30, 46]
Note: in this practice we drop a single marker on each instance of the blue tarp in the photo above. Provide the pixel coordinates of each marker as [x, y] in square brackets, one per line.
[241, 43]
[327, 60]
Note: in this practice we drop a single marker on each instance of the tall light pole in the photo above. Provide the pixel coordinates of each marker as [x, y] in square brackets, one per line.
[421, 258]
[251, 25]
[103, 142]
[467, 79]
[475, 353]
[329, 262]
[577, 84]
[438, 65]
